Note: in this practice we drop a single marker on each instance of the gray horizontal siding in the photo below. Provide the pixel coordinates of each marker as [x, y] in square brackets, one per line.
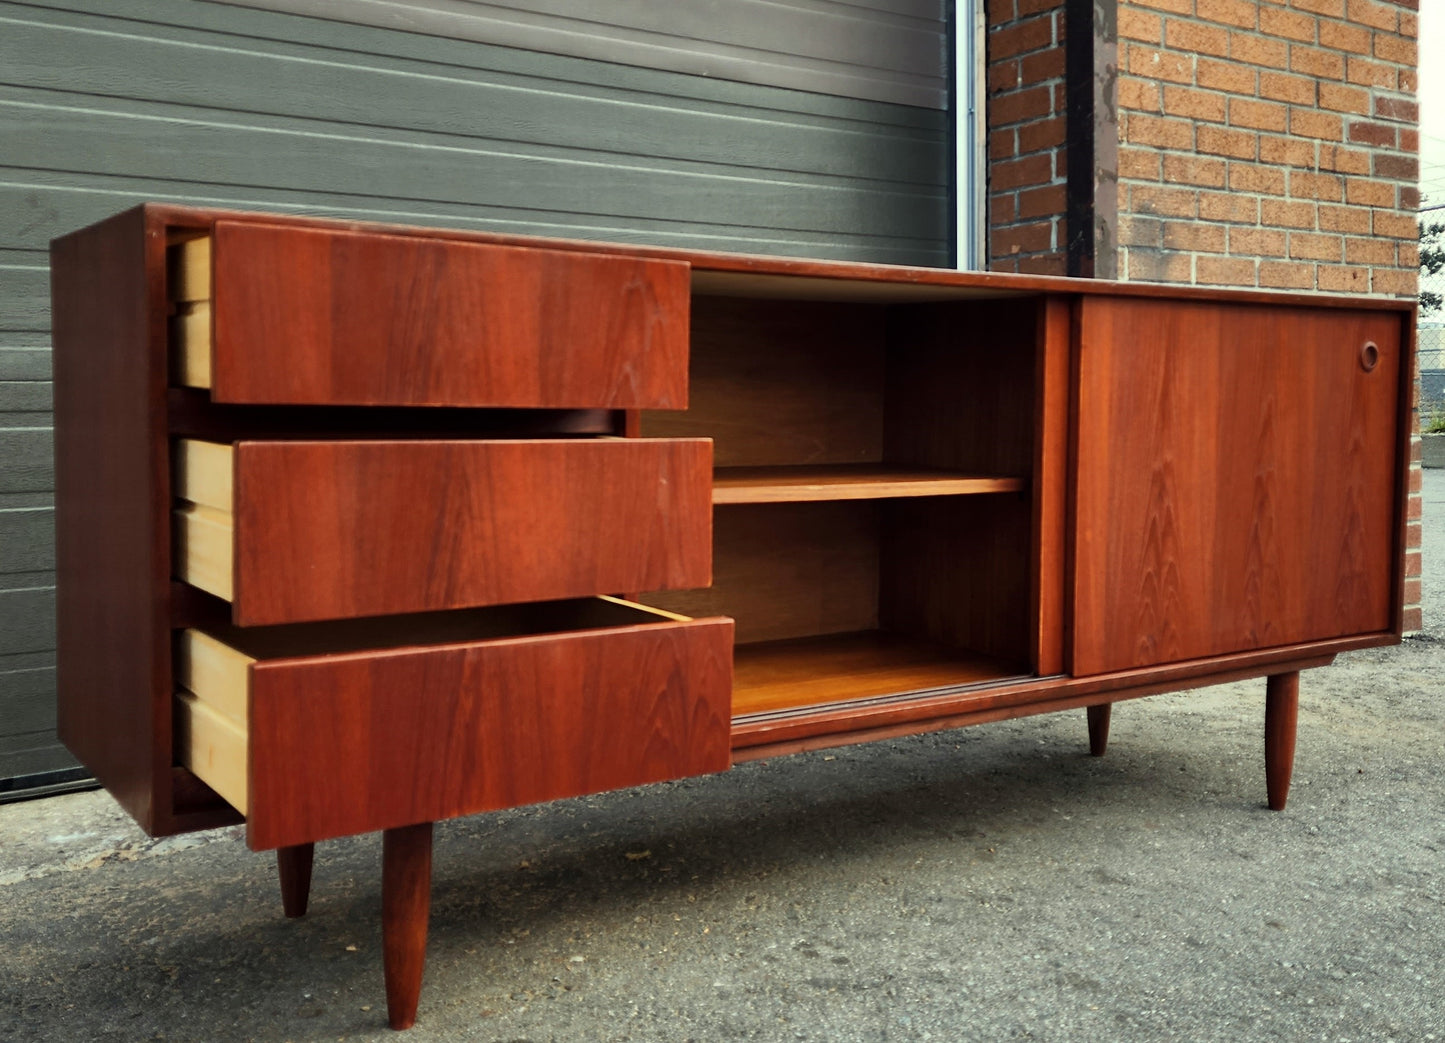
[27, 708]
[885, 50]
[27, 463]
[108, 103]
[27, 619]
[27, 540]
[26, 687]
[268, 111]
[20, 364]
[156, 141]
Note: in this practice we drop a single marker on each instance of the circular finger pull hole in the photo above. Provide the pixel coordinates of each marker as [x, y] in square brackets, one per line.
[1369, 355]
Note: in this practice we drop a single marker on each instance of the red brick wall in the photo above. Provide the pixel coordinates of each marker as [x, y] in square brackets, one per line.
[1272, 144]
[1026, 147]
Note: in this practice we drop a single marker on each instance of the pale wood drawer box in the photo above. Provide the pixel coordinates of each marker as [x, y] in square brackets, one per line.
[305, 316]
[292, 531]
[328, 729]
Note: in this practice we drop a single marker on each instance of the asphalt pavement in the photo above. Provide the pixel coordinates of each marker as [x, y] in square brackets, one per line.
[994, 883]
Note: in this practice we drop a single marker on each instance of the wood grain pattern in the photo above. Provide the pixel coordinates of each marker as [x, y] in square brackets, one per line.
[788, 570]
[798, 278]
[188, 271]
[293, 867]
[1236, 482]
[405, 911]
[785, 675]
[313, 316]
[125, 573]
[203, 548]
[910, 713]
[190, 344]
[112, 528]
[1050, 491]
[347, 743]
[847, 482]
[194, 415]
[111, 647]
[213, 746]
[961, 386]
[763, 736]
[1098, 720]
[776, 383]
[1281, 717]
[332, 529]
[956, 570]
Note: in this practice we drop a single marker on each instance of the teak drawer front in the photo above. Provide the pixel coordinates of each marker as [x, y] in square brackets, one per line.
[272, 314]
[1236, 479]
[296, 531]
[313, 745]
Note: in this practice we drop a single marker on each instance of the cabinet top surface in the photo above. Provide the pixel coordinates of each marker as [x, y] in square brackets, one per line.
[749, 275]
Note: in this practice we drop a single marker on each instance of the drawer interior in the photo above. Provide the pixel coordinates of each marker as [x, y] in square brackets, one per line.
[213, 667]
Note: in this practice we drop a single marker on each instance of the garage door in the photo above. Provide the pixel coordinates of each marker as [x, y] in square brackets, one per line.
[810, 128]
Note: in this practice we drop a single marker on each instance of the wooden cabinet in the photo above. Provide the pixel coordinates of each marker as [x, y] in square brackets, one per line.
[361, 528]
[1235, 487]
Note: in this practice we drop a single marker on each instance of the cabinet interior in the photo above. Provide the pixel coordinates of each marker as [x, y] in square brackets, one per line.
[873, 514]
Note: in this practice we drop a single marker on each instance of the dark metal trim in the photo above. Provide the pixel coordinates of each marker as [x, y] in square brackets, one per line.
[1079, 134]
[45, 784]
[1092, 131]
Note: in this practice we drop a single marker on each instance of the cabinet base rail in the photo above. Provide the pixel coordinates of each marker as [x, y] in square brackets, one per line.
[407, 854]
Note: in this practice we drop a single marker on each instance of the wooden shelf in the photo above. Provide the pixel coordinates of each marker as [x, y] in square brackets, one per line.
[783, 675]
[848, 482]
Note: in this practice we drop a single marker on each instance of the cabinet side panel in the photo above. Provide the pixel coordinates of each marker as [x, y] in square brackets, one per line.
[349, 744]
[111, 558]
[1235, 480]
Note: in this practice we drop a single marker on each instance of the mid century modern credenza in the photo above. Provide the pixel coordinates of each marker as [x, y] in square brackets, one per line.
[364, 527]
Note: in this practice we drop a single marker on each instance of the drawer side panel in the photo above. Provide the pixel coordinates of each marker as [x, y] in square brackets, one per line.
[349, 744]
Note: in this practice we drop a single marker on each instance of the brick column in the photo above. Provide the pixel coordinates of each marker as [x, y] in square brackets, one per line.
[1027, 191]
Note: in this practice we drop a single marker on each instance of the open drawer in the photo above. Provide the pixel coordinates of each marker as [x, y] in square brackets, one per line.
[307, 530]
[328, 729]
[311, 316]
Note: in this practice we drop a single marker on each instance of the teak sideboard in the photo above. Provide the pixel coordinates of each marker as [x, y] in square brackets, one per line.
[363, 527]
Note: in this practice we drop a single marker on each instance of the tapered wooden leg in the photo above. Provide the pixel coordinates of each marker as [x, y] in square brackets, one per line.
[1099, 728]
[405, 908]
[1281, 714]
[294, 866]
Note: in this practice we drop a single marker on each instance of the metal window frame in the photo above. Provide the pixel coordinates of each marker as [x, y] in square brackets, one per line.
[969, 173]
